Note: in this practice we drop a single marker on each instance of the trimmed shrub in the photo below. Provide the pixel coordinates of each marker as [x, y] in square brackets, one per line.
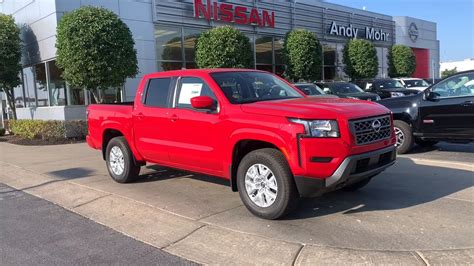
[448, 72]
[302, 55]
[401, 61]
[2, 132]
[49, 129]
[225, 47]
[95, 50]
[360, 58]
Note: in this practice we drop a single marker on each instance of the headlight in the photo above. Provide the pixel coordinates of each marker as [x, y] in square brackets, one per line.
[396, 94]
[377, 98]
[319, 128]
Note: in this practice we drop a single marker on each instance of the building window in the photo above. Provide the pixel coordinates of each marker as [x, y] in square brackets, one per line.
[41, 85]
[18, 97]
[75, 96]
[169, 47]
[29, 84]
[190, 39]
[57, 86]
[264, 53]
[329, 60]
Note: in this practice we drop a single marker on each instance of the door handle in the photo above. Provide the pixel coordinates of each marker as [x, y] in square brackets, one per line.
[140, 116]
[174, 118]
[468, 103]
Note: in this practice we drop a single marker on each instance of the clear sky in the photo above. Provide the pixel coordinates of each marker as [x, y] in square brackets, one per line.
[454, 19]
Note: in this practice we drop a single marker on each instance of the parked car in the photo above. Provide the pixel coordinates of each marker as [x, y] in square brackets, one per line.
[444, 111]
[414, 83]
[273, 143]
[309, 88]
[347, 90]
[385, 88]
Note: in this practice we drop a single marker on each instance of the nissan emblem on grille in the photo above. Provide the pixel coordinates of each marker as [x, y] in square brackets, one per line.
[376, 125]
[370, 130]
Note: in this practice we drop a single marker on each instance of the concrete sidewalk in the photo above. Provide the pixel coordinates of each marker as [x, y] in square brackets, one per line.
[408, 215]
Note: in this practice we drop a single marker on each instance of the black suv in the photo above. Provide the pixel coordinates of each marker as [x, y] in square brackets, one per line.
[347, 90]
[385, 88]
[444, 111]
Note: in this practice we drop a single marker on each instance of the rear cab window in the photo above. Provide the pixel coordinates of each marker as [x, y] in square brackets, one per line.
[158, 92]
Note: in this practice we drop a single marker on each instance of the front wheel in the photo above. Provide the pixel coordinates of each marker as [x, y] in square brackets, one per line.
[266, 185]
[120, 162]
[404, 136]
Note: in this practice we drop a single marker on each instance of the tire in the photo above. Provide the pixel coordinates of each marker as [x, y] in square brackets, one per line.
[130, 170]
[357, 185]
[285, 196]
[403, 130]
[426, 143]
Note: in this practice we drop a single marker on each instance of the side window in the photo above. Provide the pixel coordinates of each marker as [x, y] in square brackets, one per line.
[191, 87]
[157, 93]
[456, 86]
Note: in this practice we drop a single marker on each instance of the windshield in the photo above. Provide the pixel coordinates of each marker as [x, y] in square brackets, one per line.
[246, 87]
[310, 89]
[415, 83]
[387, 84]
[344, 88]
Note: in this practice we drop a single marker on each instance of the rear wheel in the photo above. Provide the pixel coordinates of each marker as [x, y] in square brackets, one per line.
[120, 162]
[266, 185]
[404, 136]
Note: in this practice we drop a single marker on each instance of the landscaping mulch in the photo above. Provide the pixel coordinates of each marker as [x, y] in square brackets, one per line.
[38, 142]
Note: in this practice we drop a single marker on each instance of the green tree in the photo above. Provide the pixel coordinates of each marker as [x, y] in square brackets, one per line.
[360, 58]
[448, 72]
[401, 61]
[223, 47]
[95, 50]
[302, 55]
[10, 56]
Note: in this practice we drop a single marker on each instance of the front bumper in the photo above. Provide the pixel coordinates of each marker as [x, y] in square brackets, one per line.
[353, 169]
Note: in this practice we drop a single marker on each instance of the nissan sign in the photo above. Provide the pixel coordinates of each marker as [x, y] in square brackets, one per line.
[413, 32]
[227, 12]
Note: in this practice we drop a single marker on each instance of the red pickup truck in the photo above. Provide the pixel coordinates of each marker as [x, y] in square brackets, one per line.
[272, 142]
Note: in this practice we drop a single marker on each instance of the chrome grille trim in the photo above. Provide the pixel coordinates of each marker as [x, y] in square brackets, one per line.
[365, 133]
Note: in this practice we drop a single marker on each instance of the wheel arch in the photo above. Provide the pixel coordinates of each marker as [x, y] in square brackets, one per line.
[241, 148]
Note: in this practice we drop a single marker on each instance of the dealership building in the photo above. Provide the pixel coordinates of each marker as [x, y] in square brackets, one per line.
[165, 31]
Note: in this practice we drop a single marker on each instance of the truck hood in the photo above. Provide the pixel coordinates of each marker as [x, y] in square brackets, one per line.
[316, 108]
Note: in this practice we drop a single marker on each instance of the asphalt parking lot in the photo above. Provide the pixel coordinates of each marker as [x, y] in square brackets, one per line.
[418, 211]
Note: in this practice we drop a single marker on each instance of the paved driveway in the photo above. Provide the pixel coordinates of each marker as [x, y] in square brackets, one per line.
[424, 205]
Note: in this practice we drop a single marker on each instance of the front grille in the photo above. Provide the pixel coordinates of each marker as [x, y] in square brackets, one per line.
[371, 130]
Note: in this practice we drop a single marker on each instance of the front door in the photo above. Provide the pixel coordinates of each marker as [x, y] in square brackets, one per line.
[450, 113]
[195, 135]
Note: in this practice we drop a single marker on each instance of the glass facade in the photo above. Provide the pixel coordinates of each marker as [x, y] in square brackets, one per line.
[175, 50]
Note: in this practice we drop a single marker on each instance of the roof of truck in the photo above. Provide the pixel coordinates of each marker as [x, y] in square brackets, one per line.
[203, 71]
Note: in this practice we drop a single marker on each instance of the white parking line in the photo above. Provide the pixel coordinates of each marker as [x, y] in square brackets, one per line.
[455, 165]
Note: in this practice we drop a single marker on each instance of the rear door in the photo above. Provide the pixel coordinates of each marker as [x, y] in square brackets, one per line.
[151, 120]
[451, 113]
[195, 133]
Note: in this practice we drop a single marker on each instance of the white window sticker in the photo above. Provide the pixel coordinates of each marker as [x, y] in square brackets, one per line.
[188, 91]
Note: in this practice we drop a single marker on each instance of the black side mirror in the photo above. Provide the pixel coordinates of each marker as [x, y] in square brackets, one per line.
[431, 96]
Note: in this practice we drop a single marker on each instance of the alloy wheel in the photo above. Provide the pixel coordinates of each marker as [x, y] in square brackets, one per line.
[261, 185]
[400, 137]
[116, 160]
